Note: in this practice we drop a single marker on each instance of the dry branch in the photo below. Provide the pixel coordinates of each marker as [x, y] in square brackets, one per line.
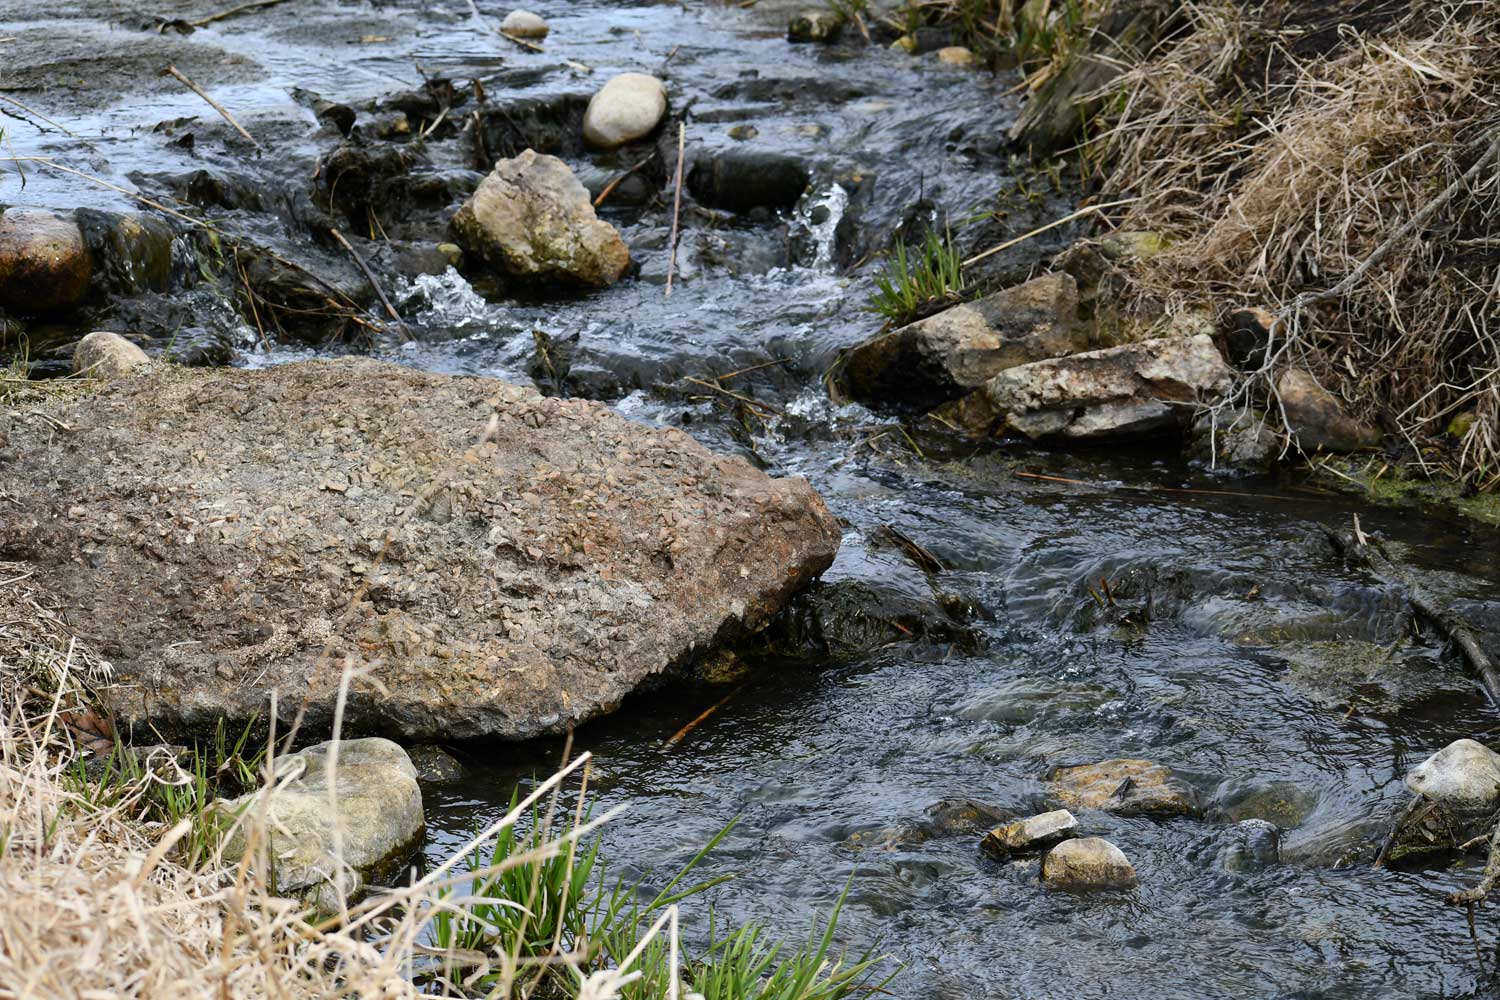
[176, 74]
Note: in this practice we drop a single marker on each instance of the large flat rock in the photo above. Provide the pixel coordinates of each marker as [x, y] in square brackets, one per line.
[214, 534]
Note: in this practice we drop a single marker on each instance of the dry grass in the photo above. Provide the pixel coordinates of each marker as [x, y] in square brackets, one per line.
[1352, 192]
[96, 903]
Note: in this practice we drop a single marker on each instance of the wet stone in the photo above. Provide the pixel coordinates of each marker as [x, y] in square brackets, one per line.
[739, 180]
[627, 108]
[1463, 776]
[436, 766]
[525, 24]
[814, 26]
[1087, 863]
[44, 262]
[1251, 845]
[962, 816]
[1030, 834]
[1317, 419]
[1125, 787]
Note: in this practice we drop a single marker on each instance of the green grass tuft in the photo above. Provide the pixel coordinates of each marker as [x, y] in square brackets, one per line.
[914, 284]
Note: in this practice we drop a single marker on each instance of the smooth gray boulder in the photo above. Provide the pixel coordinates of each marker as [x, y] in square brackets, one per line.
[1087, 863]
[957, 350]
[492, 562]
[627, 108]
[1030, 834]
[1151, 387]
[328, 827]
[532, 219]
[105, 355]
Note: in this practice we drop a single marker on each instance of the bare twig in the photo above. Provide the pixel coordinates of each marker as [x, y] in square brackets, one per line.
[370, 277]
[204, 22]
[609, 188]
[177, 74]
[1089, 210]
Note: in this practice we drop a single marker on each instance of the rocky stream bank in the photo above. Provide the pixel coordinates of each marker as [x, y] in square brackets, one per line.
[1016, 594]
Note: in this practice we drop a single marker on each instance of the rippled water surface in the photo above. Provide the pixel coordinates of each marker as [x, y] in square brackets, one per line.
[1284, 685]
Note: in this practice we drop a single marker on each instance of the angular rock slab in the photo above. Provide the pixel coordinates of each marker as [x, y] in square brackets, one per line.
[959, 349]
[532, 219]
[1087, 863]
[360, 834]
[1120, 392]
[1030, 834]
[1126, 788]
[216, 531]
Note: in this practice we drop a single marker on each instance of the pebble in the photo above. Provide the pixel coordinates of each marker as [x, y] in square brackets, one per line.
[1030, 834]
[956, 55]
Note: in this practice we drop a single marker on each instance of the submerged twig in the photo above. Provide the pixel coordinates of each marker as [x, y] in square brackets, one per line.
[676, 205]
[359, 262]
[177, 74]
[1453, 628]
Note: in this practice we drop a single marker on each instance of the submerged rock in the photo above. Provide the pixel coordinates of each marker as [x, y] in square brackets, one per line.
[1252, 845]
[105, 355]
[627, 108]
[1030, 834]
[1240, 438]
[524, 24]
[739, 180]
[532, 219]
[947, 816]
[44, 262]
[814, 26]
[959, 349]
[247, 531]
[1087, 863]
[1317, 419]
[1126, 788]
[360, 835]
[1136, 390]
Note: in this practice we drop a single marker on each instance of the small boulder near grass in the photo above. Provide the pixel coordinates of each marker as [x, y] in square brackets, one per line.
[815, 26]
[1317, 419]
[532, 219]
[957, 350]
[627, 108]
[489, 561]
[335, 822]
[105, 355]
[1087, 863]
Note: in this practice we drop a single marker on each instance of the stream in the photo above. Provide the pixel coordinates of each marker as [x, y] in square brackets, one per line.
[1234, 646]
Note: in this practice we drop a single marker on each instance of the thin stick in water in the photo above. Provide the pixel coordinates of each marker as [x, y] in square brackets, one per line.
[204, 22]
[370, 277]
[1051, 225]
[676, 205]
[176, 74]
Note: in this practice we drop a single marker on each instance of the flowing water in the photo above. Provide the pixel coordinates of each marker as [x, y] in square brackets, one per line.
[1242, 652]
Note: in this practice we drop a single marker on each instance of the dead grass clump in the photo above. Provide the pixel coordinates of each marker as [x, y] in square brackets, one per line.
[1353, 191]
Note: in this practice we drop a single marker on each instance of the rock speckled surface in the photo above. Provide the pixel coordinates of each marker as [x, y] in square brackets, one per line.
[217, 532]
